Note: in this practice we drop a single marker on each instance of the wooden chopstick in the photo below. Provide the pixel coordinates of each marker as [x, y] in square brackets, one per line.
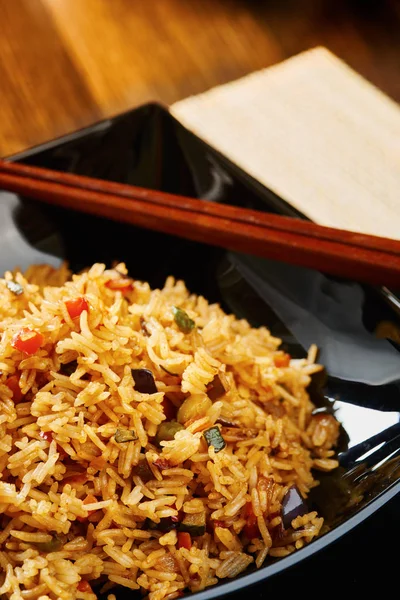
[346, 254]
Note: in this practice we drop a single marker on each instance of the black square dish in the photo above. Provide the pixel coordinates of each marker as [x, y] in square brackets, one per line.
[357, 331]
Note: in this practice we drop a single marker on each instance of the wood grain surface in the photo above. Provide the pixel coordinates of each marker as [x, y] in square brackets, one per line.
[67, 63]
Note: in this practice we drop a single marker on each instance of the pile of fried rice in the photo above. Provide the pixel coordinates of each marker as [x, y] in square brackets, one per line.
[147, 439]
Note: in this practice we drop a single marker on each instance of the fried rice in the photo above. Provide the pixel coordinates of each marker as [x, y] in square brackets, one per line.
[147, 439]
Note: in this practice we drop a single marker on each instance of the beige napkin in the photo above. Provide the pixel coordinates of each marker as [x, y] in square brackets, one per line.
[313, 131]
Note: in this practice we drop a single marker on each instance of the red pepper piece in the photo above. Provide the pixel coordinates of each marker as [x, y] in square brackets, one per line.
[27, 341]
[121, 284]
[184, 540]
[76, 307]
[84, 586]
[217, 523]
[13, 384]
[282, 360]
[170, 410]
[79, 478]
[251, 529]
[162, 463]
[48, 436]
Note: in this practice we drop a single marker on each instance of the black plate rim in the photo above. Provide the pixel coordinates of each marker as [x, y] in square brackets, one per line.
[303, 553]
[269, 570]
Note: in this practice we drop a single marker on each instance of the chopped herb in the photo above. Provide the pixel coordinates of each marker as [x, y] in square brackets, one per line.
[182, 319]
[144, 381]
[214, 438]
[124, 435]
[15, 287]
[166, 431]
[54, 545]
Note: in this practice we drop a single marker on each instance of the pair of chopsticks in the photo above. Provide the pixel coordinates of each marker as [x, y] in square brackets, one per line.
[360, 257]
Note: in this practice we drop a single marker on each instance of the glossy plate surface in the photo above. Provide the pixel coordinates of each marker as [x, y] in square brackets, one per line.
[357, 331]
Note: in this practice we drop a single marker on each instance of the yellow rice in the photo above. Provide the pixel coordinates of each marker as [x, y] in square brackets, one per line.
[75, 508]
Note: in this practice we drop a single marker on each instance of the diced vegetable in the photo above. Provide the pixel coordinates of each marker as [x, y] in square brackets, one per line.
[15, 288]
[27, 341]
[120, 284]
[74, 480]
[48, 436]
[54, 545]
[144, 381]
[214, 438]
[293, 506]
[184, 540]
[219, 523]
[84, 586]
[276, 410]
[13, 384]
[76, 307]
[218, 387]
[61, 451]
[251, 529]
[167, 564]
[143, 470]
[182, 319]
[69, 368]
[162, 463]
[124, 435]
[194, 407]
[282, 360]
[166, 524]
[97, 463]
[169, 409]
[195, 524]
[90, 499]
[166, 431]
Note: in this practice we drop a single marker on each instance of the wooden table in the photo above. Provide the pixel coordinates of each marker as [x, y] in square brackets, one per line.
[67, 63]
